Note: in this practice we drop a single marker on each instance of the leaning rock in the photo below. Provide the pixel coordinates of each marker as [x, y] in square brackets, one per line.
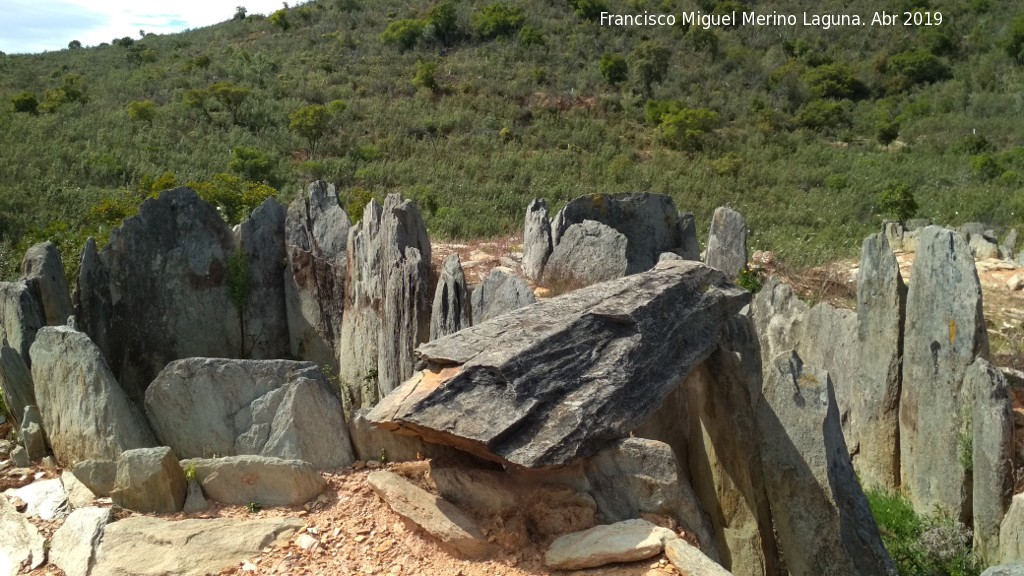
[97, 475]
[387, 304]
[279, 408]
[79, 495]
[537, 243]
[824, 524]
[149, 480]
[174, 258]
[626, 541]
[21, 543]
[20, 457]
[450, 312]
[268, 481]
[498, 294]
[443, 521]
[43, 269]
[499, 389]
[45, 499]
[86, 414]
[945, 332]
[727, 242]
[316, 241]
[588, 252]
[21, 316]
[690, 560]
[186, 547]
[264, 315]
[74, 544]
[992, 459]
[15, 382]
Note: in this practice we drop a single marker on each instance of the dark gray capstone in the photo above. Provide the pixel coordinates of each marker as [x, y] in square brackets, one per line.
[97, 475]
[451, 309]
[499, 294]
[727, 241]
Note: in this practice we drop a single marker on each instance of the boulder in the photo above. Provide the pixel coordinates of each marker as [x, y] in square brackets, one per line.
[149, 480]
[73, 548]
[690, 560]
[186, 547]
[945, 332]
[20, 457]
[982, 248]
[45, 499]
[452, 527]
[371, 443]
[387, 306]
[881, 307]
[21, 543]
[79, 495]
[43, 269]
[1011, 532]
[15, 381]
[894, 234]
[650, 223]
[612, 351]
[31, 434]
[160, 290]
[588, 252]
[500, 293]
[992, 455]
[1008, 247]
[537, 243]
[86, 413]
[451, 311]
[281, 408]
[316, 242]
[21, 316]
[822, 518]
[264, 314]
[240, 480]
[689, 247]
[727, 242]
[97, 475]
[1015, 569]
[626, 541]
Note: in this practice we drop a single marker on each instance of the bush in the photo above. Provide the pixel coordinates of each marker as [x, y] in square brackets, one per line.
[443, 21]
[1015, 41]
[144, 111]
[835, 81]
[234, 198]
[26, 102]
[985, 166]
[650, 62]
[915, 67]
[240, 13]
[280, 19]
[897, 202]
[426, 76]
[819, 114]
[311, 123]
[589, 9]
[404, 33]
[686, 129]
[750, 279]
[613, 68]
[531, 36]
[74, 45]
[497, 19]
[249, 163]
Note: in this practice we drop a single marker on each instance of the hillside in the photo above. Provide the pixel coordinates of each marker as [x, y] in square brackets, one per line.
[473, 109]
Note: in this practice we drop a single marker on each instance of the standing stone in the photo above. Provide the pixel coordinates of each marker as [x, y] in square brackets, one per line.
[79, 495]
[1015, 569]
[195, 501]
[894, 234]
[32, 437]
[316, 241]
[1008, 247]
[727, 242]
[992, 455]
[499, 294]
[43, 269]
[149, 480]
[160, 290]
[829, 342]
[588, 252]
[945, 332]
[21, 316]
[85, 412]
[387, 309]
[824, 524]
[264, 317]
[1011, 532]
[74, 544]
[21, 542]
[689, 247]
[881, 306]
[451, 310]
[779, 318]
[537, 243]
[15, 382]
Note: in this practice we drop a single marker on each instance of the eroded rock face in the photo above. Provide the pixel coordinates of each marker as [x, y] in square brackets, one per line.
[945, 332]
[149, 480]
[316, 242]
[21, 316]
[537, 244]
[992, 455]
[387, 311]
[727, 242]
[589, 252]
[239, 480]
[264, 318]
[21, 542]
[498, 294]
[15, 382]
[159, 290]
[43, 268]
[551, 383]
[74, 544]
[451, 309]
[280, 408]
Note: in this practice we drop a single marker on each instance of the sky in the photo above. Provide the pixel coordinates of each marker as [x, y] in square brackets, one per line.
[30, 26]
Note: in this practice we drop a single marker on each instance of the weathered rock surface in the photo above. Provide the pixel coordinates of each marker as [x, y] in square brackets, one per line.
[387, 308]
[992, 455]
[79, 495]
[21, 316]
[829, 342]
[626, 541]
[1011, 532]
[537, 244]
[45, 499]
[650, 223]
[881, 307]
[588, 252]
[983, 248]
[1008, 247]
[97, 475]
[779, 319]
[279, 408]
[195, 500]
[451, 310]
[31, 434]
[15, 382]
[552, 383]
[159, 290]
[316, 241]
[186, 547]
[727, 242]
[149, 480]
[43, 269]
[369, 442]
[74, 544]
[1016, 569]
[443, 521]
[264, 314]
[21, 542]
[20, 457]
[945, 332]
[86, 413]
[689, 247]
[499, 294]
[690, 560]
[824, 524]
[269, 481]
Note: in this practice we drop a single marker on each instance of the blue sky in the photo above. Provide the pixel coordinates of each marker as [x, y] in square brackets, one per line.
[28, 26]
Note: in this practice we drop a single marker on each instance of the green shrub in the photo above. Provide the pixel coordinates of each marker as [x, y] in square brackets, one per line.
[686, 129]
[897, 202]
[650, 62]
[750, 279]
[404, 33]
[887, 131]
[820, 114]
[613, 68]
[531, 36]
[589, 9]
[915, 67]
[280, 19]
[973, 144]
[144, 111]
[1015, 40]
[426, 76]
[497, 19]
[74, 45]
[835, 81]
[443, 21]
[986, 167]
[358, 199]
[249, 163]
[26, 102]
[240, 12]
[234, 198]
[311, 123]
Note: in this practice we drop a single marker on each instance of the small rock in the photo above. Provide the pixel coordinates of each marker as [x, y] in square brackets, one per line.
[1016, 282]
[626, 541]
[20, 457]
[79, 495]
[97, 475]
[149, 480]
[306, 542]
[690, 560]
[194, 498]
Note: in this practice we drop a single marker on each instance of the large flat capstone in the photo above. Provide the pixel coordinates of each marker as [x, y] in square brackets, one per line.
[554, 382]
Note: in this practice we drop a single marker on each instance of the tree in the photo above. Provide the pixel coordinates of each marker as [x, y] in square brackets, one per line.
[144, 111]
[497, 19]
[897, 202]
[650, 61]
[252, 164]
[311, 123]
[835, 81]
[240, 13]
[230, 96]
[74, 45]
[404, 33]
[531, 36]
[443, 21]
[197, 100]
[280, 19]
[887, 132]
[26, 102]
[614, 69]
